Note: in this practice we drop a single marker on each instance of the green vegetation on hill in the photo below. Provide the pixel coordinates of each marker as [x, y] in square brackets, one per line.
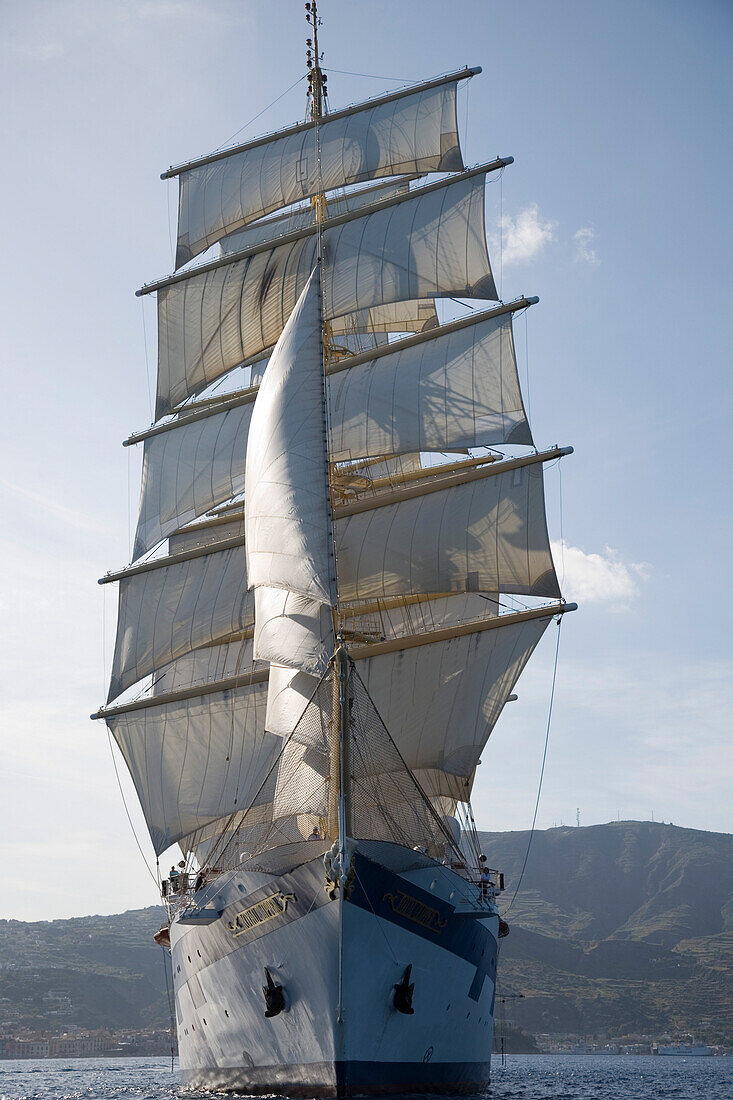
[625, 928]
[94, 972]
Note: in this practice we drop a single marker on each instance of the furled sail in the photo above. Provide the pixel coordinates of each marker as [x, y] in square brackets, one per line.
[427, 243]
[412, 132]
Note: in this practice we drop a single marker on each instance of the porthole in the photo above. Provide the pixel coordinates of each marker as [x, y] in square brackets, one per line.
[199, 953]
[189, 958]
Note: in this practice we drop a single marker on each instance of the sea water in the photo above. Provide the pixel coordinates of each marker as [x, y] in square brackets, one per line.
[523, 1077]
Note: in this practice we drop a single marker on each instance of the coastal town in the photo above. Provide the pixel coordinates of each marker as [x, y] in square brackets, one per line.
[80, 1043]
[75, 1042]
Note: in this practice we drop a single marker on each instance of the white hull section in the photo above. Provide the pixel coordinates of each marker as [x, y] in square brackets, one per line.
[338, 963]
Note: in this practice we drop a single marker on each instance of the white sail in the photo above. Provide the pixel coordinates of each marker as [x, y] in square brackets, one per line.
[205, 665]
[460, 389]
[188, 470]
[390, 619]
[209, 534]
[289, 692]
[196, 759]
[165, 612]
[486, 535]
[268, 229]
[408, 316]
[286, 476]
[441, 701]
[290, 689]
[293, 630]
[428, 244]
[455, 389]
[413, 133]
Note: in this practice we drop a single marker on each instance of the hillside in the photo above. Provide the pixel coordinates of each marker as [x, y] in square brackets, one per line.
[94, 972]
[618, 929]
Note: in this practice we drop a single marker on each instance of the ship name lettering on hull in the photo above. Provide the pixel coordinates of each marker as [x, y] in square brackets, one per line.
[261, 911]
[404, 905]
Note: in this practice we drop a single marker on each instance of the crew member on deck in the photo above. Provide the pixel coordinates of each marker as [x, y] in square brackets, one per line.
[487, 883]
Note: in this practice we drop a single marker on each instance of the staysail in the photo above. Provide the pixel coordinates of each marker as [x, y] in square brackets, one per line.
[324, 468]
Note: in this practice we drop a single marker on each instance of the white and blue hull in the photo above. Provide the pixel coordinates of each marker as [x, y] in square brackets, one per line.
[338, 963]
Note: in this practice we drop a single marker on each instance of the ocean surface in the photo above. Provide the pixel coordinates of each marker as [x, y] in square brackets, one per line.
[524, 1077]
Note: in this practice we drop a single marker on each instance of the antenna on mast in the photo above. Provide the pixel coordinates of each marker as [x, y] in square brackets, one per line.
[317, 79]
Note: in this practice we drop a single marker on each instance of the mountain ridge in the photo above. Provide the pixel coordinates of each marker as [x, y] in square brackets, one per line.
[624, 927]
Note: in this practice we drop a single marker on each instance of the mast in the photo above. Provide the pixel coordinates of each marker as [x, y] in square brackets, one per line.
[338, 801]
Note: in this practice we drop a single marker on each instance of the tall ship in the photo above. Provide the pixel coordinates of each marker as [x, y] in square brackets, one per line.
[341, 567]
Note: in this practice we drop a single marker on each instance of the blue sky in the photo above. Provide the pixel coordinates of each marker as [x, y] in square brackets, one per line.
[616, 213]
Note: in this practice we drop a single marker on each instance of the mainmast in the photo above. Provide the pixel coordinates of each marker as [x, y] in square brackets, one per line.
[338, 800]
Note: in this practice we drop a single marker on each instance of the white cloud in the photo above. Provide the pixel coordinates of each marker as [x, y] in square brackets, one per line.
[525, 235]
[598, 578]
[584, 239]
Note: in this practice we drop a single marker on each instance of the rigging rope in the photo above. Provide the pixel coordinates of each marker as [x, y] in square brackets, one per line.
[562, 536]
[124, 803]
[542, 770]
[259, 114]
[501, 234]
[369, 76]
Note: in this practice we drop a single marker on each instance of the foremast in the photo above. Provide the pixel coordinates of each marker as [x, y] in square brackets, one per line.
[338, 792]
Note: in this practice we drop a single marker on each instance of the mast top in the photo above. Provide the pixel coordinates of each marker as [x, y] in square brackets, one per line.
[317, 79]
